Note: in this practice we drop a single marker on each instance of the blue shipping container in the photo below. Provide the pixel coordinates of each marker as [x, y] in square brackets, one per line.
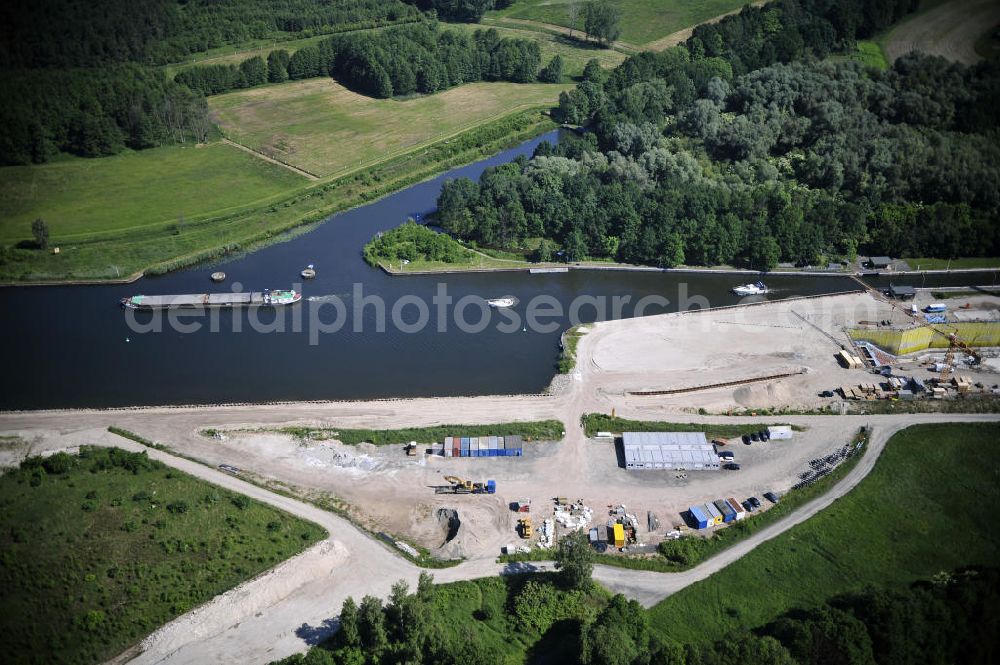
[699, 517]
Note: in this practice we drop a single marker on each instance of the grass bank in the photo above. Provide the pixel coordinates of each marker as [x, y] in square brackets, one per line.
[919, 512]
[159, 248]
[540, 430]
[569, 340]
[599, 422]
[985, 262]
[100, 549]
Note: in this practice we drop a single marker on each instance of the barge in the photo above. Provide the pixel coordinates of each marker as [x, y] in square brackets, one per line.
[265, 298]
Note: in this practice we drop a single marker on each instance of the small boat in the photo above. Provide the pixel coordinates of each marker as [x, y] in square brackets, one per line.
[755, 289]
[309, 272]
[499, 303]
[218, 276]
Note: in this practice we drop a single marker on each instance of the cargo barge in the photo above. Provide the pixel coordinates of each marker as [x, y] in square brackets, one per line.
[265, 298]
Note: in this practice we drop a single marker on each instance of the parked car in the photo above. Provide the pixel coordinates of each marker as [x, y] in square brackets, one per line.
[826, 393]
[746, 439]
[731, 466]
[749, 507]
[754, 501]
[755, 436]
[727, 456]
[764, 435]
[771, 496]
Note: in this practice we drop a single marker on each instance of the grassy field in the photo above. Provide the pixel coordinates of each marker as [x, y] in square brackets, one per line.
[867, 53]
[918, 513]
[542, 430]
[80, 197]
[642, 21]
[158, 248]
[309, 123]
[954, 264]
[99, 550]
[599, 422]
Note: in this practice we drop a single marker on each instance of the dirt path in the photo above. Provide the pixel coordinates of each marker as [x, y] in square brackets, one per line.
[949, 30]
[260, 155]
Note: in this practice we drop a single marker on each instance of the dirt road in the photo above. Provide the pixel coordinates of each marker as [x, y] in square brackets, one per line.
[949, 30]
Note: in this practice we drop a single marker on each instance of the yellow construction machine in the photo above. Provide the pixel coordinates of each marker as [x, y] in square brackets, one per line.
[461, 486]
[524, 526]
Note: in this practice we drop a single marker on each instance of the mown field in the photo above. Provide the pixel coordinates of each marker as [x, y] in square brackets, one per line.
[642, 21]
[322, 127]
[78, 196]
[97, 551]
[918, 513]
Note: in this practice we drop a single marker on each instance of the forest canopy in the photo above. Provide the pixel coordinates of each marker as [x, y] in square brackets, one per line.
[744, 146]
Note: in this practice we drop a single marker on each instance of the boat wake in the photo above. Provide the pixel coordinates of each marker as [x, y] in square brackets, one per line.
[329, 298]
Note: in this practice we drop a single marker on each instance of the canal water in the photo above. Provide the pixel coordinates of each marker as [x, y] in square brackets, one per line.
[72, 346]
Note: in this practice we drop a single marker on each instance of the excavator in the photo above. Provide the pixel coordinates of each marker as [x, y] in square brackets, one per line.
[459, 486]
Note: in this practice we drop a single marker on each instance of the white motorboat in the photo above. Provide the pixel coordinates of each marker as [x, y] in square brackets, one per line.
[755, 289]
[501, 302]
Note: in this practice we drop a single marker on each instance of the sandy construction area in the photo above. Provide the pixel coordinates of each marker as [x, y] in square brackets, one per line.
[949, 30]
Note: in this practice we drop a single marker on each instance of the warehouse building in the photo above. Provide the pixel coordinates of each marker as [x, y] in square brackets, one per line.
[669, 450]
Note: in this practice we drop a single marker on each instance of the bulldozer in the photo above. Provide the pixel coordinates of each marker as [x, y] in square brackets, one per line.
[524, 526]
[460, 486]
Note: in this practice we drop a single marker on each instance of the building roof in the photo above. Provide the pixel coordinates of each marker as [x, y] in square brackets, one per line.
[668, 450]
[880, 260]
[902, 290]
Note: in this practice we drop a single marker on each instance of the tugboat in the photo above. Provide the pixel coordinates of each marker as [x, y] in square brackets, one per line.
[755, 289]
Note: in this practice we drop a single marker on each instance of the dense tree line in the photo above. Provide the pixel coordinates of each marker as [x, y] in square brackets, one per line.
[94, 112]
[937, 622]
[399, 61]
[71, 33]
[718, 152]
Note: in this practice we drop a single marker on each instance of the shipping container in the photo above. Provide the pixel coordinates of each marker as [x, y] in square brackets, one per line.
[465, 443]
[602, 534]
[593, 537]
[447, 450]
[740, 511]
[728, 514]
[700, 517]
[619, 532]
[714, 513]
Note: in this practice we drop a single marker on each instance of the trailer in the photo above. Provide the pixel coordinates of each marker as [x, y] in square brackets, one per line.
[728, 514]
[779, 432]
[701, 519]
